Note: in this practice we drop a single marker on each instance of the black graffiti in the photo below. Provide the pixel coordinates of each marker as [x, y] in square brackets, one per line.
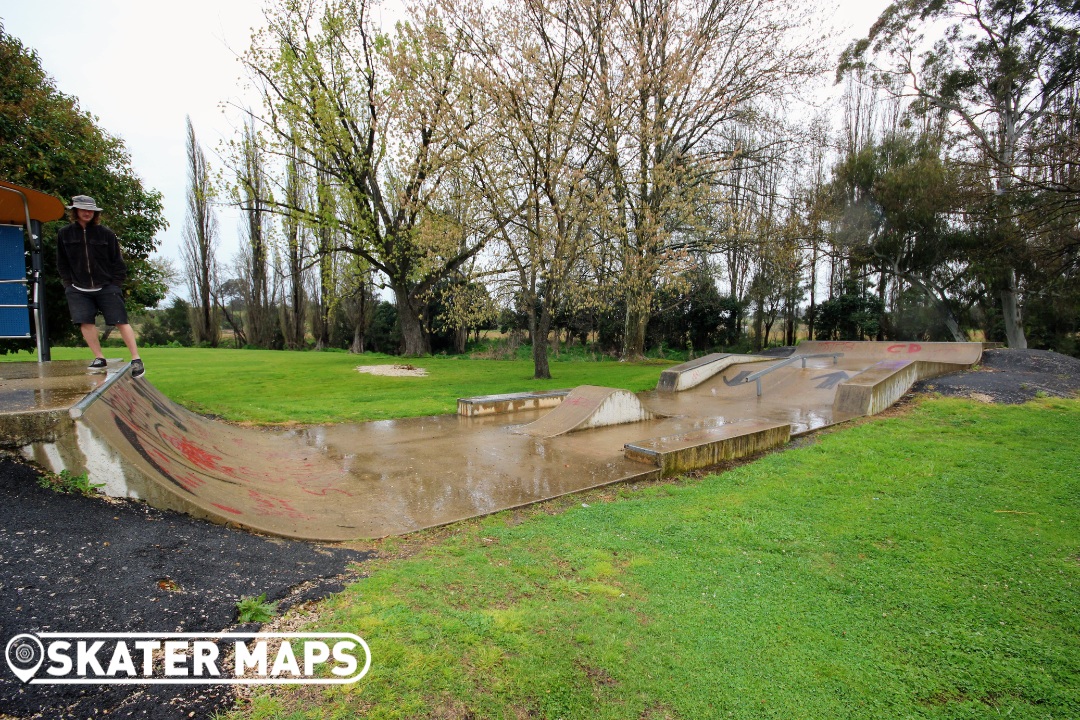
[133, 438]
[738, 379]
[832, 379]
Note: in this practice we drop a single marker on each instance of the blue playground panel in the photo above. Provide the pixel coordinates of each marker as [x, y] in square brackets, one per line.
[14, 322]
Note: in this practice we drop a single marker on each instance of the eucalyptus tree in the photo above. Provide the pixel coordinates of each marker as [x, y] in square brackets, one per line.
[905, 220]
[996, 70]
[383, 118]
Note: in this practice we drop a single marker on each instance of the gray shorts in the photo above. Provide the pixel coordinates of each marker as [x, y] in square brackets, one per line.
[84, 306]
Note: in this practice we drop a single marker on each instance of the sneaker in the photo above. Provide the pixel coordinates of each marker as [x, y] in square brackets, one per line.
[98, 364]
[137, 369]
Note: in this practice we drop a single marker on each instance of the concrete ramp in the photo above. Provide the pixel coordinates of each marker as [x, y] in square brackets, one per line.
[948, 353]
[327, 483]
[341, 482]
[589, 406]
[692, 373]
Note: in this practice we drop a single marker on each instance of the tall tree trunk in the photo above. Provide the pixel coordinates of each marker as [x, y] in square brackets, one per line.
[1010, 311]
[412, 331]
[634, 333]
[540, 327]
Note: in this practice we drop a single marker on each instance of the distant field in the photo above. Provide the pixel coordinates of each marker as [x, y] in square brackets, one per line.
[273, 386]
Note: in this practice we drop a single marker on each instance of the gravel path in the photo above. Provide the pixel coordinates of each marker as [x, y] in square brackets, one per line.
[1011, 377]
[76, 564]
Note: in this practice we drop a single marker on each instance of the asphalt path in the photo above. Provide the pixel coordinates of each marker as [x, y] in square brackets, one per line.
[1011, 377]
[75, 564]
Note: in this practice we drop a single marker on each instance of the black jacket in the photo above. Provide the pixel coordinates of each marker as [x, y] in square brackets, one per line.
[90, 257]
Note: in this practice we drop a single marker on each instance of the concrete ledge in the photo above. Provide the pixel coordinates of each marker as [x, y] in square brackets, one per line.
[694, 372]
[700, 449]
[511, 402]
[875, 388]
[882, 384]
[19, 429]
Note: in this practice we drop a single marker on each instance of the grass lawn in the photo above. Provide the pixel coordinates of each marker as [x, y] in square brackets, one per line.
[268, 386]
[919, 566]
[922, 565]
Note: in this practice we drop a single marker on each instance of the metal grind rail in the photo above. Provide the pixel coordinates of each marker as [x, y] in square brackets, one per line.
[756, 377]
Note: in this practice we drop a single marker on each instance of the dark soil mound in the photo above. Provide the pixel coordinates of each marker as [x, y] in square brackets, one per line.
[1011, 376]
[75, 564]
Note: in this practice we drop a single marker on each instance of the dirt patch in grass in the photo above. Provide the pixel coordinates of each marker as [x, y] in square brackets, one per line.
[392, 370]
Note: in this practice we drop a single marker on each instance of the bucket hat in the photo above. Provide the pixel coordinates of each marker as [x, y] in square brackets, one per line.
[83, 202]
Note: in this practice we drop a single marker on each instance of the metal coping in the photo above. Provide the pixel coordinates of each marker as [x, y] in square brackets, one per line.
[80, 407]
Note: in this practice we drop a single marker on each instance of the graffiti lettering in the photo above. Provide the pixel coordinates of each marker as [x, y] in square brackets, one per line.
[905, 348]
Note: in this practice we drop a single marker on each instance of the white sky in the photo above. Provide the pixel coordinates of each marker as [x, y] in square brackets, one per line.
[141, 66]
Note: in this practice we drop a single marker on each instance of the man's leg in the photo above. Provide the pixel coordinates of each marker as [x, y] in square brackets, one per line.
[90, 335]
[128, 336]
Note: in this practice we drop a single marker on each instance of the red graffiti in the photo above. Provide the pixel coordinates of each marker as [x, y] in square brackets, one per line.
[905, 348]
[226, 508]
[165, 462]
[196, 455]
[274, 506]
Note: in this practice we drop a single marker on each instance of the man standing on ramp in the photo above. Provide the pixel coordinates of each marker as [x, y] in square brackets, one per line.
[92, 269]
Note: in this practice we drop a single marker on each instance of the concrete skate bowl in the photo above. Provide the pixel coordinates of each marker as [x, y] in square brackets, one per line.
[334, 483]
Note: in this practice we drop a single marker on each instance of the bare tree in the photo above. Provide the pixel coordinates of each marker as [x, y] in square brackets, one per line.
[382, 117]
[536, 66]
[252, 194]
[671, 75]
[294, 255]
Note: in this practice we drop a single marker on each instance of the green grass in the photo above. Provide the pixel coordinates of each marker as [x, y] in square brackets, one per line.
[923, 566]
[920, 566]
[267, 386]
[255, 609]
[66, 483]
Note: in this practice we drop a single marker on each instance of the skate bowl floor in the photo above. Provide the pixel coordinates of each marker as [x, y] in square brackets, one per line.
[375, 479]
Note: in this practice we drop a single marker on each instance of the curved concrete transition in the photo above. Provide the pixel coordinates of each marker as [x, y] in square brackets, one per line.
[341, 482]
[589, 406]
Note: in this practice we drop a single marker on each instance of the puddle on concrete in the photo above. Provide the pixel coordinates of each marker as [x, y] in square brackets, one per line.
[390, 477]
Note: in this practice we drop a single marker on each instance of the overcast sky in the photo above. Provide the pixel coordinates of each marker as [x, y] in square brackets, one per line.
[141, 66]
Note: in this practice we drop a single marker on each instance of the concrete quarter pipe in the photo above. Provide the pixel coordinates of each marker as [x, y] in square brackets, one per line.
[383, 478]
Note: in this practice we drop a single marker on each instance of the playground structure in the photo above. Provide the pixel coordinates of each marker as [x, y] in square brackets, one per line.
[335, 483]
[22, 295]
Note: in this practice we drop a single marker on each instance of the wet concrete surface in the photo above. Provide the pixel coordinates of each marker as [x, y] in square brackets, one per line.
[341, 482]
[393, 477]
[43, 387]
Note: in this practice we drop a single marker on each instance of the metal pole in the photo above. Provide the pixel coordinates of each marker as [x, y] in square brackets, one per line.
[38, 263]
